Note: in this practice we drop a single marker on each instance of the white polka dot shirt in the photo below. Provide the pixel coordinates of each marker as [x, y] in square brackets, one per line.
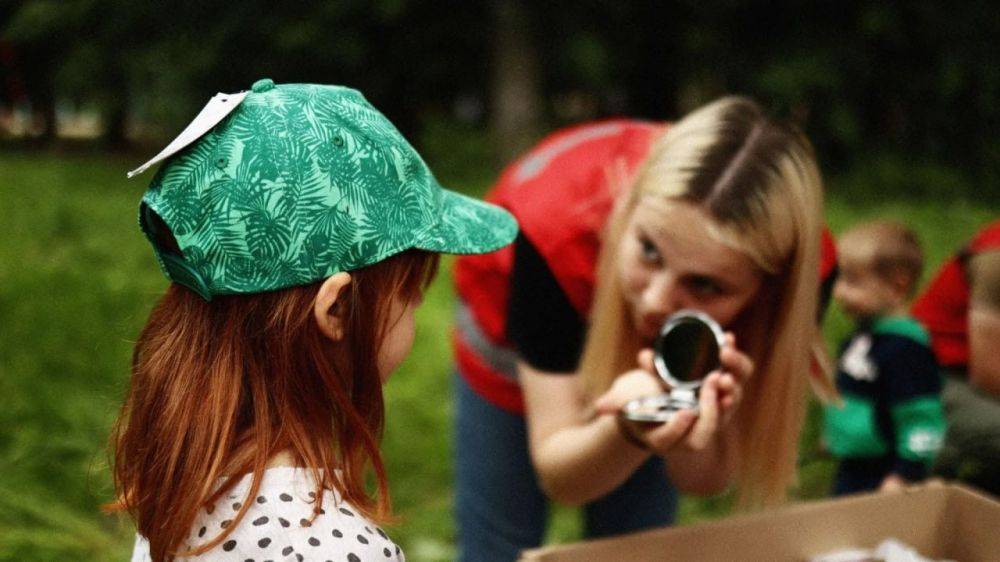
[277, 527]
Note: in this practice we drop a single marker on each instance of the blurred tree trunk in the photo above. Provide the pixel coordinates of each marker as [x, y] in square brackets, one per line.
[116, 124]
[515, 89]
[40, 89]
[44, 104]
[116, 112]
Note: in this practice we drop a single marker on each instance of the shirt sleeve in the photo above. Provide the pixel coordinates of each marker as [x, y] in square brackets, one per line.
[913, 388]
[544, 327]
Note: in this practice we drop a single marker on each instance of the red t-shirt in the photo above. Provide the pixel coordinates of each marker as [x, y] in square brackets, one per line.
[944, 307]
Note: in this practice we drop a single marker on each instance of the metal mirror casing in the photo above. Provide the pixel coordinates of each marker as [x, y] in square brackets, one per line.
[684, 353]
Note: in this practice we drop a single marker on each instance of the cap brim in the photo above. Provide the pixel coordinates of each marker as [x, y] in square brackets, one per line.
[468, 226]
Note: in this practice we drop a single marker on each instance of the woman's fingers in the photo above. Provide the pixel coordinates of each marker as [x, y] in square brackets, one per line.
[708, 415]
[729, 387]
[607, 403]
[665, 437]
[631, 385]
[730, 396]
[735, 361]
[729, 339]
[645, 360]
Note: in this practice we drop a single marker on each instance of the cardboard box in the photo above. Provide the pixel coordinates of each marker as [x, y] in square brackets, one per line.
[940, 521]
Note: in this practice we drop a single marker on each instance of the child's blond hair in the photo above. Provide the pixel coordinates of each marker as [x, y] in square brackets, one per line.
[889, 249]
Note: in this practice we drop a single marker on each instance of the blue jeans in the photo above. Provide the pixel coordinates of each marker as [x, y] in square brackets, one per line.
[499, 506]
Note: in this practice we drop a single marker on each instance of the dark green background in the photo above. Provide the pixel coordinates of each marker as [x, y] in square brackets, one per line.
[899, 98]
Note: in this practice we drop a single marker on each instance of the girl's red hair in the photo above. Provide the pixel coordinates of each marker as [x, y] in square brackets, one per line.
[218, 388]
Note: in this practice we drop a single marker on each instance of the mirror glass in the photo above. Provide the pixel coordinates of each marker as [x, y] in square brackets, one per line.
[687, 349]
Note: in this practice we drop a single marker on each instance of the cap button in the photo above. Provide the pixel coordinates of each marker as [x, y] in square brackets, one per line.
[262, 85]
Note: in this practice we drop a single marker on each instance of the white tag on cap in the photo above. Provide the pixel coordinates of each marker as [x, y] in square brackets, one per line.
[214, 111]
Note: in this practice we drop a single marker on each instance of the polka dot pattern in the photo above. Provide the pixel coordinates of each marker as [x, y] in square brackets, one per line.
[333, 531]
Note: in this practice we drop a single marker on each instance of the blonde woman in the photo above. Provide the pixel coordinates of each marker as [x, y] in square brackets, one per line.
[624, 223]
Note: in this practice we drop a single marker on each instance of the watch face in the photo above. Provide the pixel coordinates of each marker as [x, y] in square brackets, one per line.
[687, 349]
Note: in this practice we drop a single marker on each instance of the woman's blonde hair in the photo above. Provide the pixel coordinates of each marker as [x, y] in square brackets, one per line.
[758, 180]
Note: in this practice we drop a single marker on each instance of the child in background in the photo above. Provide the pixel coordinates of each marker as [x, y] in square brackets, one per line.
[890, 424]
[961, 309]
[299, 230]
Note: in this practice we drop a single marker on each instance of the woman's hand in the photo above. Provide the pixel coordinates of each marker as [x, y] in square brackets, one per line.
[736, 369]
[719, 398]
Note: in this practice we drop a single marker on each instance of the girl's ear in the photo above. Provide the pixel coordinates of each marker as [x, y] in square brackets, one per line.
[329, 308]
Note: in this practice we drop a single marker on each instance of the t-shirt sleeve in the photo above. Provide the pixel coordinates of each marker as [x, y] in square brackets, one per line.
[544, 327]
[913, 388]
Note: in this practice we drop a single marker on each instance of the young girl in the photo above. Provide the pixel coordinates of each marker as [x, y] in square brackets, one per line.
[299, 233]
[623, 223]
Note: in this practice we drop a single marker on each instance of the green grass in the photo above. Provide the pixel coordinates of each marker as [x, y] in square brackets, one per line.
[76, 283]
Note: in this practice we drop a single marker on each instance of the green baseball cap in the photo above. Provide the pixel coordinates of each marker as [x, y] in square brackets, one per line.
[298, 182]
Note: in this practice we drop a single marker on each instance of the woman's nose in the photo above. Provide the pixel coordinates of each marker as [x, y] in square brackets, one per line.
[662, 295]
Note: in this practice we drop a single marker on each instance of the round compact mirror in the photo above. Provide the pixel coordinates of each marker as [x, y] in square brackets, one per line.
[687, 349]
[684, 353]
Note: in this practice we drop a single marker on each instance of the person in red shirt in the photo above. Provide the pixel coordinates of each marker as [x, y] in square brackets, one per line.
[961, 310]
[624, 222]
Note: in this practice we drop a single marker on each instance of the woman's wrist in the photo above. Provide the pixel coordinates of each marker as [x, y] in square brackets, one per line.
[718, 452]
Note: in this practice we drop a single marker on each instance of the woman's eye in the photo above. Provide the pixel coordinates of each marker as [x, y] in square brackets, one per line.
[705, 287]
[649, 252]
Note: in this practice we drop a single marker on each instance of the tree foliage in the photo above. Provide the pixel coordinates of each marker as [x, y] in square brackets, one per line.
[913, 83]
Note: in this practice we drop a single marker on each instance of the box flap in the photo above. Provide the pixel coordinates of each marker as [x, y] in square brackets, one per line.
[920, 517]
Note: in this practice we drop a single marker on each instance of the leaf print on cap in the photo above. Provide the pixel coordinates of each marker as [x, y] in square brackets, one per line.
[329, 239]
[185, 210]
[468, 226]
[267, 236]
[365, 118]
[221, 240]
[191, 168]
[360, 253]
[304, 190]
[243, 273]
[396, 211]
[300, 181]
[255, 129]
[351, 169]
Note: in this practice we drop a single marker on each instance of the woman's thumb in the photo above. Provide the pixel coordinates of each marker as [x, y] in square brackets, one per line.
[645, 360]
[606, 404]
